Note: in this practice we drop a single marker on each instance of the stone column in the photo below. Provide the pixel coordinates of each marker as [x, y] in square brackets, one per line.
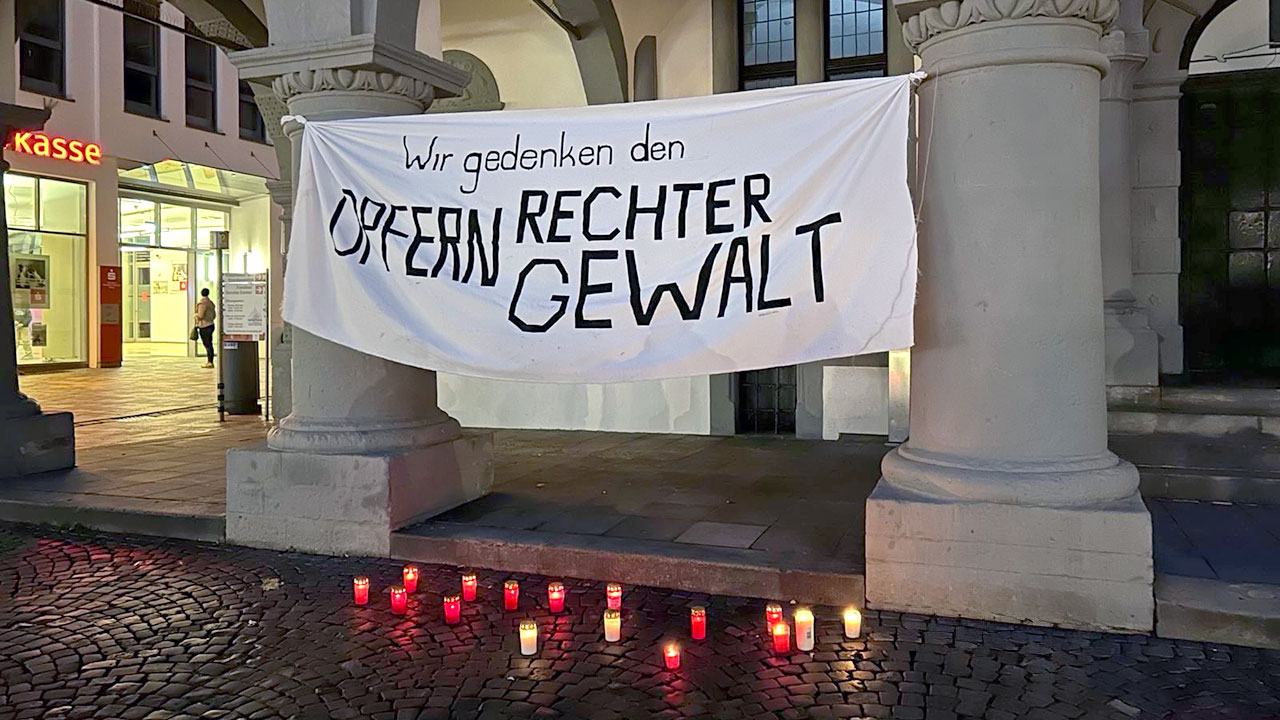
[30, 441]
[1005, 503]
[1133, 350]
[365, 449]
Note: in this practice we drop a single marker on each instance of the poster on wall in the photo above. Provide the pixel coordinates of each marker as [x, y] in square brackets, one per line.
[613, 243]
[30, 279]
[39, 335]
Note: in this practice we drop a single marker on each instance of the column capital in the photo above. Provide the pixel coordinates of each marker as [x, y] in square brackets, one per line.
[350, 77]
[926, 19]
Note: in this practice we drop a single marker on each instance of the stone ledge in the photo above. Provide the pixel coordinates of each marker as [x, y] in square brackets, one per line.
[1207, 610]
[634, 562]
[203, 528]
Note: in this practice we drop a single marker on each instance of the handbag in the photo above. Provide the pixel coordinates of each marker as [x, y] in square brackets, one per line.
[195, 333]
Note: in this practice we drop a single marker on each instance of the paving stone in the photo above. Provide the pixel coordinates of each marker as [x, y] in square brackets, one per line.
[108, 626]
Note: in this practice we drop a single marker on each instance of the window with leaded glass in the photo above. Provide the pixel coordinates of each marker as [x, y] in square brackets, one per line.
[768, 44]
[855, 39]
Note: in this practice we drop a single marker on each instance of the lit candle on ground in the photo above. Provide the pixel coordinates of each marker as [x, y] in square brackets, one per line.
[410, 576]
[804, 629]
[852, 622]
[555, 597]
[772, 614]
[613, 594]
[399, 600]
[511, 595]
[469, 585]
[452, 609]
[360, 586]
[781, 638]
[698, 622]
[671, 655]
[528, 637]
[612, 625]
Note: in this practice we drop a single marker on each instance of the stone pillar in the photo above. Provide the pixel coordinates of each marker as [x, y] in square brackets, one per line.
[810, 44]
[1133, 350]
[1005, 503]
[30, 441]
[282, 344]
[364, 449]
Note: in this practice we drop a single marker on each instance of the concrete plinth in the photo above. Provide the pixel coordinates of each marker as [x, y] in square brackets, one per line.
[36, 443]
[1085, 566]
[349, 504]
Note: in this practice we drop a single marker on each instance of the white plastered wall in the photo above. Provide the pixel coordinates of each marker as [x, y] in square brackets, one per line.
[534, 65]
[530, 56]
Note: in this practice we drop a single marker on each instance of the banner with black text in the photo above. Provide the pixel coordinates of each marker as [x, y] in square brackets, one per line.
[616, 242]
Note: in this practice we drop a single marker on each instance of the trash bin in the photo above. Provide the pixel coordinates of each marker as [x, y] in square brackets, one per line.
[240, 377]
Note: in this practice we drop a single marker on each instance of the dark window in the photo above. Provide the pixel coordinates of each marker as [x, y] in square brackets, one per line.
[41, 28]
[251, 125]
[855, 39]
[202, 78]
[767, 401]
[768, 48]
[141, 66]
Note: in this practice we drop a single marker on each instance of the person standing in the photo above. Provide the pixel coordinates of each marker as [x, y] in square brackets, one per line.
[205, 315]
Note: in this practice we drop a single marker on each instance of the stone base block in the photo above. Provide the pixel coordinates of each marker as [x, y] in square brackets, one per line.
[1086, 567]
[37, 443]
[349, 504]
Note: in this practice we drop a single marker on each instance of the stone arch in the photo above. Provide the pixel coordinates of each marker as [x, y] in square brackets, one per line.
[481, 92]
[599, 48]
[1197, 29]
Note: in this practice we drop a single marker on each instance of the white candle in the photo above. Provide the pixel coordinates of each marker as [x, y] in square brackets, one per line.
[612, 625]
[804, 629]
[852, 622]
[528, 637]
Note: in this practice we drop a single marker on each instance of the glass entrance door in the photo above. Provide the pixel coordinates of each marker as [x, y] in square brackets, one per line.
[158, 301]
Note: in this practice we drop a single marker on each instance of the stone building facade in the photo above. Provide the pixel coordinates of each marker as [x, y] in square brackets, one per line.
[1054, 242]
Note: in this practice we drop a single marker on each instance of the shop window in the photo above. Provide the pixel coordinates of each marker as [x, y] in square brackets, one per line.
[202, 78]
[175, 226]
[768, 47]
[141, 66]
[855, 39]
[138, 221]
[42, 46]
[251, 125]
[47, 255]
[208, 221]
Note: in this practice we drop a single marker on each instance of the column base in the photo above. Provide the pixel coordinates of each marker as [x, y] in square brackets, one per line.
[348, 504]
[1086, 566]
[36, 443]
[1133, 348]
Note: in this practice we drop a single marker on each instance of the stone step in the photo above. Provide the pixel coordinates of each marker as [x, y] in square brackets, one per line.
[1146, 422]
[694, 568]
[1207, 610]
[117, 519]
[1213, 485]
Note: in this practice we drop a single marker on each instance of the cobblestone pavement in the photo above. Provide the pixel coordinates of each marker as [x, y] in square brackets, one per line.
[111, 627]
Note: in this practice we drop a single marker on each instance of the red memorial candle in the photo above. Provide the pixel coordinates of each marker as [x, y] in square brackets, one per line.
[613, 594]
[410, 576]
[469, 587]
[698, 622]
[781, 638]
[671, 655]
[399, 600]
[511, 595]
[555, 597]
[772, 614]
[452, 609]
[360, 586]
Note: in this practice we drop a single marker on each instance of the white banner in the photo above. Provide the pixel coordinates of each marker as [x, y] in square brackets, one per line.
[616, 242]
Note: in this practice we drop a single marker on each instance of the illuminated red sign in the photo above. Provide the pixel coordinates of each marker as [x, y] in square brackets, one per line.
[58, 148]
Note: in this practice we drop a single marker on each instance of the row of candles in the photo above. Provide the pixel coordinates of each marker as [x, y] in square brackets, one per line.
[779, 629]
